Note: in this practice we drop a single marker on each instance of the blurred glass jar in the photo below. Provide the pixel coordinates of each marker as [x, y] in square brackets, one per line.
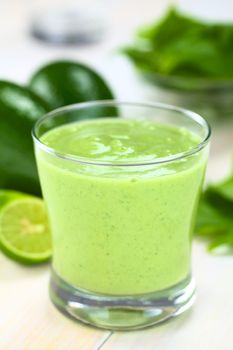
[68, 21]
[212, 99]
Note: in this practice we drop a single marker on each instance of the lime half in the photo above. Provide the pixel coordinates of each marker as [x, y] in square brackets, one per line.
[24, 230]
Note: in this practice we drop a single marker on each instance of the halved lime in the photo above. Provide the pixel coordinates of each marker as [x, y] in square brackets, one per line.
[24, 230]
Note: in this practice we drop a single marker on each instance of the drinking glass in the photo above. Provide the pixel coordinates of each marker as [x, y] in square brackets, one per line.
[122, 230]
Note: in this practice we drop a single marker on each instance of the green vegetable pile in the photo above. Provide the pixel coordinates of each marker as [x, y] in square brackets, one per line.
[181, 46]
[54, 85]
[215, 216]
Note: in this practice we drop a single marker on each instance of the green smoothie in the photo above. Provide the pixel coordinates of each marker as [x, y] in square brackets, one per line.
[121, 229]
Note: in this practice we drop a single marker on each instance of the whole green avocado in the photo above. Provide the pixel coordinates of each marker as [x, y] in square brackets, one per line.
[19, 110]
[62, 83]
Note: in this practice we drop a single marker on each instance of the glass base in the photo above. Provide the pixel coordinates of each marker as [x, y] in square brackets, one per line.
[121, 312]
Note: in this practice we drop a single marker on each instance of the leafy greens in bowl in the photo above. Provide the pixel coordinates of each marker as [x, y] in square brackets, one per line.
[190, 61]
[180, 46]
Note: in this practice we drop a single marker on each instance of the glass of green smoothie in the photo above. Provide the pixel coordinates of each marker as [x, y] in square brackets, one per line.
[121, 182]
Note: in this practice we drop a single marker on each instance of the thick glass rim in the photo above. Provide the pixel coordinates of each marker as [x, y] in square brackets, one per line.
[113, 103]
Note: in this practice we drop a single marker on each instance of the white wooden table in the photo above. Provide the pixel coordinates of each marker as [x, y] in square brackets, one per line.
[28, 320]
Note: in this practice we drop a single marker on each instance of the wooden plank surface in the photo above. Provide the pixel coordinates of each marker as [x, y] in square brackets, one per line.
[29, 321]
